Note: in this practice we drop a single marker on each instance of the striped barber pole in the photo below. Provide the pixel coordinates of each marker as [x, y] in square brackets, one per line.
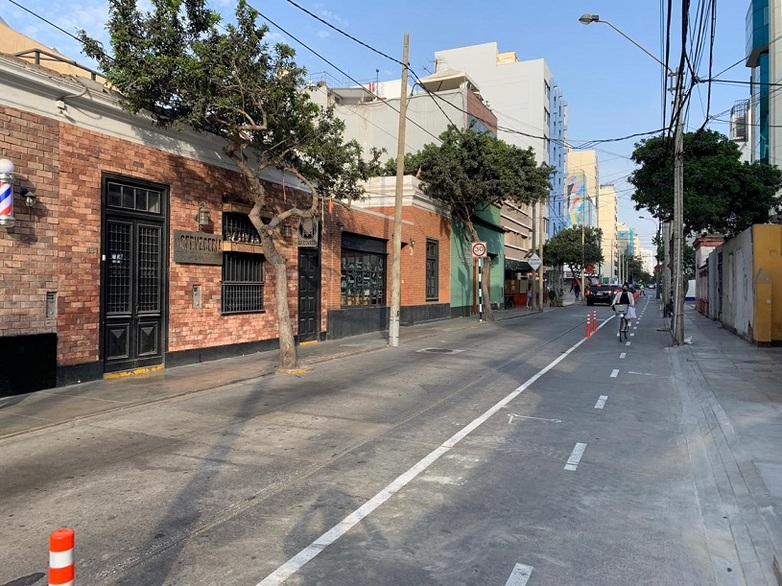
[62, 571]
[6, 201]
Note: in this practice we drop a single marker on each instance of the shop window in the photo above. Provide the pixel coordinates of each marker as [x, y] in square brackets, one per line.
[242, 282]
[363, 279]
[432, 269]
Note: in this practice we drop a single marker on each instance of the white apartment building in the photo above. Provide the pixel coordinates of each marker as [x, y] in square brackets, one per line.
[530, 109]
[608, 217]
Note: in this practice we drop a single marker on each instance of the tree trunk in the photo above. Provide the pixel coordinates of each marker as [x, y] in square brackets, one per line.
[288, 354]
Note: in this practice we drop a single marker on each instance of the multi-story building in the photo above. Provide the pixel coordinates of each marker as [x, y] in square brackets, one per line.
[607, 221]
[531, 112]
[763, 18]
[741, 128]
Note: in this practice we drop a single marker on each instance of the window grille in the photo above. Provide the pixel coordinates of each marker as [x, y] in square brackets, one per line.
[242, 282]
[363, 278]
[238, 228]
[432, 269]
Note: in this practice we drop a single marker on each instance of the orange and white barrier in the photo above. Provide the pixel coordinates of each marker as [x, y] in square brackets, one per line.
[589, 326]
[62, 571]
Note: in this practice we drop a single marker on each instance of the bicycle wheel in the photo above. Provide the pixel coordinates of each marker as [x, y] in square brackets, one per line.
[622, 331]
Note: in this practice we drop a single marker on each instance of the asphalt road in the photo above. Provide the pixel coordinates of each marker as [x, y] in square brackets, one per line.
[511, 453]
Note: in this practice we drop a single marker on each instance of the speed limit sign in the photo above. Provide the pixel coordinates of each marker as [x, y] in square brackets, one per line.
[479, 250]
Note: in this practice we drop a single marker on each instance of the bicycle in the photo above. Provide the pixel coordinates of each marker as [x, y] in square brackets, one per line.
[621, 311]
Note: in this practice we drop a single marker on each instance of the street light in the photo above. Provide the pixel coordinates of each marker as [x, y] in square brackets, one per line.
[678, 186]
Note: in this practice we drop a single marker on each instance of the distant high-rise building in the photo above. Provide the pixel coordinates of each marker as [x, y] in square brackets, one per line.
[607, 222]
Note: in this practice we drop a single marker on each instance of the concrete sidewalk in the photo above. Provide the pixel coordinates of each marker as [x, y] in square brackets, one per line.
[24, 413]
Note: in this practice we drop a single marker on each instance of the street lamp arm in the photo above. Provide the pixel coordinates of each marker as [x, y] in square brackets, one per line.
[590, 18]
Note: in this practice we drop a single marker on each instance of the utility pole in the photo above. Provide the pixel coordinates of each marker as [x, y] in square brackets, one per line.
[396, 268]
[678, 216]
[540, 254]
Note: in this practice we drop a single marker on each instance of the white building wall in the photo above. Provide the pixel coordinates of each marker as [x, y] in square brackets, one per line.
[738, 295]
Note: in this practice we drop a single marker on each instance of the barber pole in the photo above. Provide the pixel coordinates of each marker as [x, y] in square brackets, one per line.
[6, 200]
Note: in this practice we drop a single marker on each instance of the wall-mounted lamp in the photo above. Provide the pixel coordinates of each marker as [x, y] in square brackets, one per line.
[6, 193]
[202, 218]
[29, 197]
[287, 231]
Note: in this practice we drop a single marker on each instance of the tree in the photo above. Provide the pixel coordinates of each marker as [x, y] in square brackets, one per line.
[567, 248]
[184, 68]
[471, 171]
[721, 193]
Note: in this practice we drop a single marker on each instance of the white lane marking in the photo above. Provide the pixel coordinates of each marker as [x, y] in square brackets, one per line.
[623, 354]
[615, 373]
[575, 457]
[601, 402]
[632, 334]
[294, 564]
[519, 575]
[512, 415]
[643, 373]
[627, 344]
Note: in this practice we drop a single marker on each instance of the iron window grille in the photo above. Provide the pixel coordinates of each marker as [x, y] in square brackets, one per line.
[238, 228]
[242, 287]
[432, 269]
[363, 278]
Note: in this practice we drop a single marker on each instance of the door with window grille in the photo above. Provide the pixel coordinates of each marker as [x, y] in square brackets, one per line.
[133, 279]
[309, 294]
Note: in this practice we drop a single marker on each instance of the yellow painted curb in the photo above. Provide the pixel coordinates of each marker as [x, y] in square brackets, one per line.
[293, 370]
[309, 343]
[124, 373]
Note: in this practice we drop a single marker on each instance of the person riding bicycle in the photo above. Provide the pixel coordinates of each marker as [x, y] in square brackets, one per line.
[624, 297]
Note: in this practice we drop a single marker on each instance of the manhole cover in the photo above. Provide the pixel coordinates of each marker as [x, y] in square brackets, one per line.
[440, 351]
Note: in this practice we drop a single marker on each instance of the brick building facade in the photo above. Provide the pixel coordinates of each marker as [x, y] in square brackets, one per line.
[94, 280]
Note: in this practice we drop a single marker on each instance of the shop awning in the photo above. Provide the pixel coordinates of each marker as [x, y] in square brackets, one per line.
[520, 266]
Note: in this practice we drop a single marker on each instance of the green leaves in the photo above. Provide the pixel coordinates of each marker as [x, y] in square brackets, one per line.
[473, 170]
[178, 62]
[574, 247]
[721, 194]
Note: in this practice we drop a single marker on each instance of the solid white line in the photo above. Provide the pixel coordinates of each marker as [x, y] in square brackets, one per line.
[601, 402]
[295, 563]
[575, 457]
[623, 354]
[519, 575]
[615, 373]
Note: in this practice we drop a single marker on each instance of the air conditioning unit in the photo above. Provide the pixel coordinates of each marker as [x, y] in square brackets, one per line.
[775, 219]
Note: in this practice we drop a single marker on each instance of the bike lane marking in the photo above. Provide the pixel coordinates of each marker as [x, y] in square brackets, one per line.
[295, 563]
[615, 373]
[575, 456]
[519, 576]
[601, 402]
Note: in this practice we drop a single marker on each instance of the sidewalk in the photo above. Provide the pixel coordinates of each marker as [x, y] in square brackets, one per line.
[24, 413]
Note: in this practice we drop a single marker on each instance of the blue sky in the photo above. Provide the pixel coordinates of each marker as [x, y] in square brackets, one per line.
[612, 88]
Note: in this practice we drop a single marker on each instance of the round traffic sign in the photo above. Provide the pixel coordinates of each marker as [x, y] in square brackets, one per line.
[479, 249]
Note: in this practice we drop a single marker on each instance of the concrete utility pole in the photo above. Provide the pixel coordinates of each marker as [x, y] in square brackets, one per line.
[396, 269]
[540, 254]
[678, 216]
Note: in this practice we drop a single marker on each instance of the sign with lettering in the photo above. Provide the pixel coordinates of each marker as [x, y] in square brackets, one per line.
[198, 248]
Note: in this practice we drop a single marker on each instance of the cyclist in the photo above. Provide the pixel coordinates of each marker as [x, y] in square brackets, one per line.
[624, 297]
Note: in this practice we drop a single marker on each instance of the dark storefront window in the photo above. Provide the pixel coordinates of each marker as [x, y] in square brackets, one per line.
[242, 282]
[363, 271]
[432, 272]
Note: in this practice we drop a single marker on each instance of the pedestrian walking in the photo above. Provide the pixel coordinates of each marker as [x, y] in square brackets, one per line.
[529, 294]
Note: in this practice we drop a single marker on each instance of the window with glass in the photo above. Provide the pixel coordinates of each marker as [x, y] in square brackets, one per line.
[242, 282]
[363, 279]
[432, 269]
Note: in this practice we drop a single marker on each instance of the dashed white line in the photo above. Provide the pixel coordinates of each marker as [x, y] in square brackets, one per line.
[519, 576]
[627, 344]
[601, 402]
[575, 457]
[615, 373]
[623, 354]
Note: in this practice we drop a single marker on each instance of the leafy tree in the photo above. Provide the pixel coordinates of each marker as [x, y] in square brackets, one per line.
[180, 65]
[567, 248]
[471, 171]
[721, 193]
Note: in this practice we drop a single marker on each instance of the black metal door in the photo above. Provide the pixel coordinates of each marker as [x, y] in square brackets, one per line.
[133, 294]
[309, 294]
